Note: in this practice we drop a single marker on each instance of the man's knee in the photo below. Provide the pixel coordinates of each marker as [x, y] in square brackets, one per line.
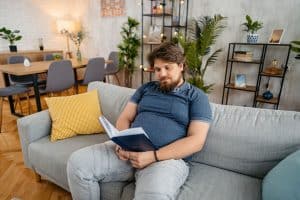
[150, 195]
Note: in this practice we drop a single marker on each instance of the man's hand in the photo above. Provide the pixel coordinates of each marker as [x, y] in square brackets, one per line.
[138, 160]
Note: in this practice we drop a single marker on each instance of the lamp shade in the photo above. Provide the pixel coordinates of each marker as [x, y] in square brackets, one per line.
[65, 26]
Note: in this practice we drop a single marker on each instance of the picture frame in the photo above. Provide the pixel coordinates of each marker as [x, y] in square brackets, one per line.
[276, 36]
[154, 35]
[240, 80]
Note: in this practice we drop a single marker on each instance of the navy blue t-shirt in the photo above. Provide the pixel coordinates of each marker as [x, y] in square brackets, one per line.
[165, 117]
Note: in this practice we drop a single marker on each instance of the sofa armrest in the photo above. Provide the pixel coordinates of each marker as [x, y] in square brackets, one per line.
[32, 128]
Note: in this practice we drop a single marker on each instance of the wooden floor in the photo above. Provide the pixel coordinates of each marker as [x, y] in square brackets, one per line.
[17, 181]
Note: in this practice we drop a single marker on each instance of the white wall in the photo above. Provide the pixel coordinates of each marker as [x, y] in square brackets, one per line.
[37, 19]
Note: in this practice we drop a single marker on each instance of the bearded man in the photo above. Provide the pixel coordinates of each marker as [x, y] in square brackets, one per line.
[176, 117]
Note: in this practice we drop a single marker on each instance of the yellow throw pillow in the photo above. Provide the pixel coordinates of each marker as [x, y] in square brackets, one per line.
[72, 115]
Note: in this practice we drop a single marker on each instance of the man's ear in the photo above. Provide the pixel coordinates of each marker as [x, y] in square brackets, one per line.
[181, 66]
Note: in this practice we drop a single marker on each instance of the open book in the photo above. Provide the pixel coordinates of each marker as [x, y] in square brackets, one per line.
[132, 139]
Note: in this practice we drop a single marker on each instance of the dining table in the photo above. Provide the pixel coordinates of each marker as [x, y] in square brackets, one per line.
[35, 69]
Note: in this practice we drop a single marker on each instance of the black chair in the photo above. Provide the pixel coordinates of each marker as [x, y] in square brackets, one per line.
[94, 71]
[10, 91]
[60, 77]
[113, 68]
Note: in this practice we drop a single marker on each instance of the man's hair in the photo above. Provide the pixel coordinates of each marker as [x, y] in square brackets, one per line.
[167, 51]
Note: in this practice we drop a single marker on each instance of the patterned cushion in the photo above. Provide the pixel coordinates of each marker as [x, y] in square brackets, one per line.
[72, 115]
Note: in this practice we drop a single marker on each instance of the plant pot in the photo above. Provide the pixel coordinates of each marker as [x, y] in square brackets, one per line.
[13, 48]
[252, 38]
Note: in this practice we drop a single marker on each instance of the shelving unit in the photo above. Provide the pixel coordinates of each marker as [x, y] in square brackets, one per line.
[169, 10]
[263, 49]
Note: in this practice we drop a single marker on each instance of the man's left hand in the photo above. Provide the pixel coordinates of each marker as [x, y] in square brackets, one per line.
[140, 160]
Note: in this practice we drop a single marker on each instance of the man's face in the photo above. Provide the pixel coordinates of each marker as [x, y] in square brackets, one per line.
[168, 74]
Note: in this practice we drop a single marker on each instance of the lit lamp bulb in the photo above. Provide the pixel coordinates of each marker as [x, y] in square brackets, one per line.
[175, 33]
[144, 36]
[161, 35]
[141, 66]
[182, 2]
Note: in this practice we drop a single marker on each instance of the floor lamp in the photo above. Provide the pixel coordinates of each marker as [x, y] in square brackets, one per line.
[66, 27]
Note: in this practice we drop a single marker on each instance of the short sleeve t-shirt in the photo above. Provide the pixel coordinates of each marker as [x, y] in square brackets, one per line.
[165, 117]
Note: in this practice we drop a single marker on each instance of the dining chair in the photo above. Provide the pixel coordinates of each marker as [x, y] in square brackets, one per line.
[25, 80]
[60, 77]
[48, 57]
[94, 71]
[113, 68]
[11, 91]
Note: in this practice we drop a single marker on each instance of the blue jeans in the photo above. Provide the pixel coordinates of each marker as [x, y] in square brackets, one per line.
[90, 166]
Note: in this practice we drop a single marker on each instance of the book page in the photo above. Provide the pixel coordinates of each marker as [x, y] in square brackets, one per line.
[133, 131]
[109, 128]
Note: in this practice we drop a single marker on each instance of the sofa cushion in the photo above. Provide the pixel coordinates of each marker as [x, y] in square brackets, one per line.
[76, 114]
[248, 140]
[283, 181]
[50, 159]
[210, 183]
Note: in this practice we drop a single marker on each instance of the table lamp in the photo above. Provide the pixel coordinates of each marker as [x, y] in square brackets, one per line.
[65, 27]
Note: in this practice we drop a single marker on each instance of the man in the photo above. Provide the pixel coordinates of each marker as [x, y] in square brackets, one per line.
[174, 114]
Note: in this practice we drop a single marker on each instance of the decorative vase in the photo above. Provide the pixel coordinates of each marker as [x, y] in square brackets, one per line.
[13, 48]
[78, 55]
[267, 95]
[252, 38]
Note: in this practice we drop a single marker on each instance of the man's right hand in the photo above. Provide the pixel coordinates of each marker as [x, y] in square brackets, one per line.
[122, 154]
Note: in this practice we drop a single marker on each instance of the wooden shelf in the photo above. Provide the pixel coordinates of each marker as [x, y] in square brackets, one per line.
[240, 61]
[272, 75]
[158, 15]
[249, 88]
[260, 98]
[174, 26]
[151, 43]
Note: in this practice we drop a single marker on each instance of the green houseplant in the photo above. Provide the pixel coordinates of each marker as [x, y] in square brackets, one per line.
[203, 34]
[128, 49]
[296, 48]
[12, 36]
[251, 27]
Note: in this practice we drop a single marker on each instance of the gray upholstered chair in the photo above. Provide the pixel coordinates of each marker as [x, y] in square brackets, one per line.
[25, 80]
[94, 71]
[60, 77]
[113, 68]
[48, 57]
[10, 91]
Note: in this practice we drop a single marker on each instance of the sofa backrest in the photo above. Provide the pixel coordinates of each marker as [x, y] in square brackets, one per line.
[249, 141]
[112, 99]
[241, 139]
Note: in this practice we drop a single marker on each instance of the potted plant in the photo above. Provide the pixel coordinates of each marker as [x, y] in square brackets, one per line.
[128, 49]
[197, 48]
[11, 36]
[296, 48]
[251, 27]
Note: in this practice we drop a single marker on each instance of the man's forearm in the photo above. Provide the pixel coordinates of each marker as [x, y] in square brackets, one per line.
[180, 149]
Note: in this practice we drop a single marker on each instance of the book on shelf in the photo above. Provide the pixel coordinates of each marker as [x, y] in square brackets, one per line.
[132, 139]
[246, 56]
[240, 80]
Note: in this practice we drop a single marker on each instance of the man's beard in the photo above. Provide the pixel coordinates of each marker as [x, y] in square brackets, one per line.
[168, 87]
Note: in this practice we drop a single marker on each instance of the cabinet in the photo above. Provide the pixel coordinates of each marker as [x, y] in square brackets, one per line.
[161, 21]
[260, 57]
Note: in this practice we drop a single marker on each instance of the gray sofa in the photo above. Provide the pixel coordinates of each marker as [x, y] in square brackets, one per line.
[243, 144]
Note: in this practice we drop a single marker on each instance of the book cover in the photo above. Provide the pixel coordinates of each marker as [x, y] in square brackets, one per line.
[132, 139]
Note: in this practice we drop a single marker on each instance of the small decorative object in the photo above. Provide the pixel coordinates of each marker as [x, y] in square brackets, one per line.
[154, 34]
[41, 46]
[128, 49]
[246, 56]
[276, 36]
[267, 95]
[77, 39]
[240, 80]
[11, 36]
[296, 48]
[26, 62]
[274, 69]
[57, 56]
[251, 28]
[112, 8]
